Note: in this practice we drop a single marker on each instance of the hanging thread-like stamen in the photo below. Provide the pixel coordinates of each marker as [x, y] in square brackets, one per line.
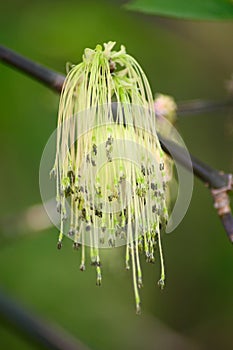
[106, 117]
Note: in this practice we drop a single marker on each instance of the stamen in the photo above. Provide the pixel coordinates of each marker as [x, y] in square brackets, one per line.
[92, 174]
[161, 282]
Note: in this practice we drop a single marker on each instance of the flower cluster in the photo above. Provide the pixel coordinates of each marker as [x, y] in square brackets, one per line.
[109, 167]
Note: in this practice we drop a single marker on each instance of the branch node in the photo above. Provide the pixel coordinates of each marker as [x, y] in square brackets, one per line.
[222, 205]
[221, 199]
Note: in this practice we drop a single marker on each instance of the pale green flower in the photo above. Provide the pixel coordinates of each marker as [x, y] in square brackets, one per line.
[109, 167]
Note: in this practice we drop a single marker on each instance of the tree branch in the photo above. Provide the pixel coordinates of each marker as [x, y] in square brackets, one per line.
[218, 182]
[52, 337]
[198, 106]
[55, 81]
[210, 176]
[46, 76]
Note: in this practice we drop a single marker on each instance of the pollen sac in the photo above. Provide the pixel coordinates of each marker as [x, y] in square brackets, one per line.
[76, 245]
[59, 206]
[82, 267]
[71, 233]
[59, 245]
[94, 149]
[71, 177]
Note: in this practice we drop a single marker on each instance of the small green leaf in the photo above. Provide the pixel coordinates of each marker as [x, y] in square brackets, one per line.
[187, 9]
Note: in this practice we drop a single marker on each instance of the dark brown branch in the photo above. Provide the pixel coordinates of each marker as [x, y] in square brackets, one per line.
[227, 221]
[219, 183]
[202, 106]
[210, 176]
[55, 81]
[46, 76]
[46, 334]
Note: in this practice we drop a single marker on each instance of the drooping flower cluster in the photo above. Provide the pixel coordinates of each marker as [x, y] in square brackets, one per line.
[109, 166]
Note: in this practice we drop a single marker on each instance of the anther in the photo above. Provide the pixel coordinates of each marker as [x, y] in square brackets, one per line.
[59, 245]
[59, 206]
[71, 176]
[76, 245]
[161, 283]
[71, 233]
[94, 149]
[88, 228]
[112, 66]
[82, 267]
[161, 166]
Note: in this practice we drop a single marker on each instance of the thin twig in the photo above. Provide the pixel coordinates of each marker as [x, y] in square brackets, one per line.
[199, 106]
[210, 176]
[48, 335]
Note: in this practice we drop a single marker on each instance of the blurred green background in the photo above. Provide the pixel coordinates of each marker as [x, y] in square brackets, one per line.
[182, 58]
